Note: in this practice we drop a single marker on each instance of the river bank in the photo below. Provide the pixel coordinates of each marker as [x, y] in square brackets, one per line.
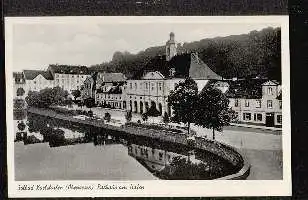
[226, 152]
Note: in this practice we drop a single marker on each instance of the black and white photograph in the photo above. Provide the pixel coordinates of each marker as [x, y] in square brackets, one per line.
[182, 106]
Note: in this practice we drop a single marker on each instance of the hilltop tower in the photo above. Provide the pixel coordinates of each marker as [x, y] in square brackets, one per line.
[170, 47]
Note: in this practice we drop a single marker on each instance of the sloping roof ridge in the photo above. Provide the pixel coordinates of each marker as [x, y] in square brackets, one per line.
[195, 57]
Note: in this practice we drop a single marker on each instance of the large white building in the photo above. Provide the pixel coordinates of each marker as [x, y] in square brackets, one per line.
[152, 85]
[68, 77]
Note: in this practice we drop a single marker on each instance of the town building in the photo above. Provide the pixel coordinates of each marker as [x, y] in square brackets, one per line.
[256, 101]
[68, 77]
[37, 80]
[110, 90]
[88, 89]
[153, 83]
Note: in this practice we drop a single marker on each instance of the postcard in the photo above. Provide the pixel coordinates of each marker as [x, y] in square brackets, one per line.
[148, 106]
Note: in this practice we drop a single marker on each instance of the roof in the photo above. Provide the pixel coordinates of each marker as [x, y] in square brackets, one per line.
[18, 77]
[188, 64]
[109, 78]
[68, 69]
[246, 89]
[271, 82]
[32, 74]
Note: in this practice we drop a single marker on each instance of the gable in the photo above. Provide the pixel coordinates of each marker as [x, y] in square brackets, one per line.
[270, 83]
[153, 75]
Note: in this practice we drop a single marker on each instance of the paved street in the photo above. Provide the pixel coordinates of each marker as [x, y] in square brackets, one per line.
[263, 148]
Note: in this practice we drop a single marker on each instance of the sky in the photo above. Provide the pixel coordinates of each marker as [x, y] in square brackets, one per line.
[36, 45]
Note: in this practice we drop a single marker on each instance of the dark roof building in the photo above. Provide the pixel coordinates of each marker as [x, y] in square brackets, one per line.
[246, 88]
[32, 74]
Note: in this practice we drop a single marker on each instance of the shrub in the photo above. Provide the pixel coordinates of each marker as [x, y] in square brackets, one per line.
[21, 126]
[144, 117]
[107, 117]
[90, 113]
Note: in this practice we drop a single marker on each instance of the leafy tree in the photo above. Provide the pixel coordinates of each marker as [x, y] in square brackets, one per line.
[183, 100]
[21, 126]
[89, 102]
[20, 92]
[47, 97]
[76, 94]
[213, 110]
[166, 119]
[128, 115]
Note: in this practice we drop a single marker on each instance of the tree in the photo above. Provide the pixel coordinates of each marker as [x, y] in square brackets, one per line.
[47, 97]
[166, 119]
[19, 103]
[183, 100]
[213, 110]
[76, 94]
[89, 102]
[20, 92]
[128, 115]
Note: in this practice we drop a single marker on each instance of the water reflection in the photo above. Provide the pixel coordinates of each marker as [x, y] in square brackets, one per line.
[154, 155]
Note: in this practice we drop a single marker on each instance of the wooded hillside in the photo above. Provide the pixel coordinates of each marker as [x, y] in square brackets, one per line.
[248, 55]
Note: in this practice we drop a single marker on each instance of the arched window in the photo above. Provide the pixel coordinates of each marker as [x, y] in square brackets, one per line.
[141, 107]
[135, 106]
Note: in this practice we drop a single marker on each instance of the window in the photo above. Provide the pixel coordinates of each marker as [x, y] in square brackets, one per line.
[159, 85]
[258, 117]
[136, 86]
[140, 85]
[258, 103]
[280, 104]
[160, 156]
[246, 103]
[279, 119]
[130, 85]
[146, 85]
[236, 102]
[247, 116]
[269, 104]
[269, 90]
[152, 86]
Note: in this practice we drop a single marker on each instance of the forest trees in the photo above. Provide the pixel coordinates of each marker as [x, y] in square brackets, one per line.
[208, 109]
[257, 53]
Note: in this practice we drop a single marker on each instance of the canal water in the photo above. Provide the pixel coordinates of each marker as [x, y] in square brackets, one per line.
[52, 149]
